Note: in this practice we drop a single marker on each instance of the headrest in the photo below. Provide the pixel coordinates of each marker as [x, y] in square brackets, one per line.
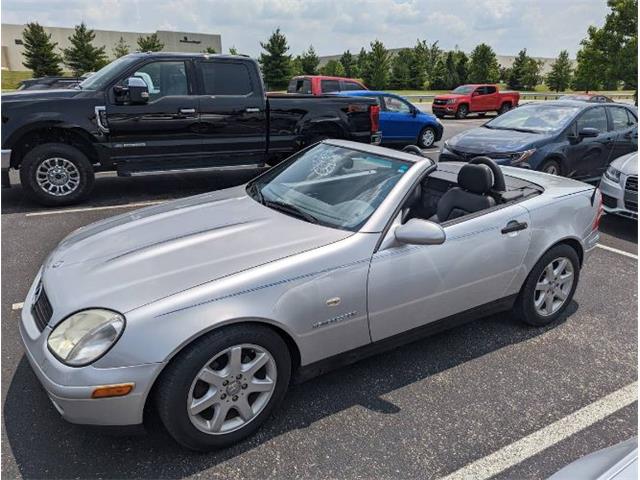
[475, 178]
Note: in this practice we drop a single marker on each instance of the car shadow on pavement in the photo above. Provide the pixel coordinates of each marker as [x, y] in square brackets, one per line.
[620, 227]
[45, 446]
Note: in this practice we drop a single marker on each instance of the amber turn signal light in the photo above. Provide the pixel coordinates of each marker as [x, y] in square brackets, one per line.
[112, 390]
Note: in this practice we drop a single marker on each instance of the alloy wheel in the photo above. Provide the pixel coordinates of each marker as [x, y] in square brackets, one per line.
[553, 287]
[551, 169]
[428, 137]
[58, 176]
[231, 389]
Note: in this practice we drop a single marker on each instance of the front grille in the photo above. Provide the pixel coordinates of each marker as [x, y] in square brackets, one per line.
[42, 309]
[632, 184]
[630, 205]
[609, 201]
[439, 102]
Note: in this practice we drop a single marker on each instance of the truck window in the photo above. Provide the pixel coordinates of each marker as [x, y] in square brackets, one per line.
[330, 86]
[300, 85]
[351, 86]
[164, 78]
[490, 90]
[481, 90]
[226, 78]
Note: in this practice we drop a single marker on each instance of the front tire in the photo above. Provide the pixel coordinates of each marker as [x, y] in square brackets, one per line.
[550, 287]
[427, 137]
[552, 167]
[462, 112]
[55, 174]
[221, 388]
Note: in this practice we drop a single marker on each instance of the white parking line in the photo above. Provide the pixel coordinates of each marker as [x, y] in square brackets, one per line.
[90, 209]
[546, 437]
[17, 306]
[615, 250]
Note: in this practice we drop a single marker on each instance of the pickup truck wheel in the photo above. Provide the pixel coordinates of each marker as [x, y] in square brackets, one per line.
[223, 386]
[504, 108]
[427, 137]
[551, 167]
[550, 286]
[462, 112]
[56, 174]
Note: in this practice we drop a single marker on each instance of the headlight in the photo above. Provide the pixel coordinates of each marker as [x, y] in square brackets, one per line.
[612, 173]
[452, 100]
[85, 336]
[520, 157]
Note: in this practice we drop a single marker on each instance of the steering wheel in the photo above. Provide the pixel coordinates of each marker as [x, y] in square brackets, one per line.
[498, 177]
[413, 150]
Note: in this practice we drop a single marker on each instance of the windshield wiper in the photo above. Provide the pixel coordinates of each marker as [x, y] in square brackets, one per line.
[515, 129]
[291, 210]
[255, 192]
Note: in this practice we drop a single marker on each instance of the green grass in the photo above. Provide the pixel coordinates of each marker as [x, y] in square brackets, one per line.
[12, 78]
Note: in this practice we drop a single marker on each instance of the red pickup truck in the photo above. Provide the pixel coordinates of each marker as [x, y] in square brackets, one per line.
[474, 98]
[321, 84]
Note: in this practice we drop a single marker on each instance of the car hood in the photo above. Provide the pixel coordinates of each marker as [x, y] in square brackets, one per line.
[30, 95]
[484, 140]
[627, 164]
[134, 259]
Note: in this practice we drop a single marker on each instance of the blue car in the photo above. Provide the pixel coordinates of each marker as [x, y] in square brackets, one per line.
[400, 121]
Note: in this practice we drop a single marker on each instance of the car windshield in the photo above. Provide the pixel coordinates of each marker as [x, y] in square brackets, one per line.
[535, 118]
[463, 90]
[329, 185]
[102, 77]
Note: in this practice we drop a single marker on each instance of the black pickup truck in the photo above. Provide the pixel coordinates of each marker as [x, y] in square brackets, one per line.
[160, 113]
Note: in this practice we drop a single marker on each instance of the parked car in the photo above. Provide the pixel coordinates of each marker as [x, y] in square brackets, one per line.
[149, 113]
[587, 97]
[619, 462]
[570, 138]
[401, 121]
[321, 84]
[474, 98]
[619, 186]
[207, 306]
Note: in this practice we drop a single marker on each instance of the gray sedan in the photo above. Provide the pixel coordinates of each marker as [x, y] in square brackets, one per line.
[208, 307]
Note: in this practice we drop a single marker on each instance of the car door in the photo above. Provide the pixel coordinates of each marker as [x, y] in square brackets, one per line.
[625, 126]
[165, 128]
[397, 121]
[233, 120]
[478, 100]
[588, 157]
[413, 285]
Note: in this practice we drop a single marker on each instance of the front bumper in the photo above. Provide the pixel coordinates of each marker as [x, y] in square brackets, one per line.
[618, 200]
[5, 163]
[70, 388]
[448, 109]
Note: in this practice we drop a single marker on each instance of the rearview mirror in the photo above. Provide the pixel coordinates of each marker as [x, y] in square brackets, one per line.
[588, 132]
[135, 90]
[420, 232]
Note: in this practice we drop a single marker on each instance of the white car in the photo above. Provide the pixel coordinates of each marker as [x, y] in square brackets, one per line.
[619, 186]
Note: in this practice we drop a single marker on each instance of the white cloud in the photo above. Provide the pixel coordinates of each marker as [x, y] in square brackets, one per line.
[544, 26]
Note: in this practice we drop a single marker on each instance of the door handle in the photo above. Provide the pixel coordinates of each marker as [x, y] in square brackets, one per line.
[514, 226]
[187, 111]
[252, 110]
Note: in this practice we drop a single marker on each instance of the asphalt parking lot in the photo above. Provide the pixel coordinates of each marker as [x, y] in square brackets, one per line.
[486, 395]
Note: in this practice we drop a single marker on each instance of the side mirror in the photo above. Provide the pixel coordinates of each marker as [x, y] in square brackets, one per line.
[414, 111]
[588, 132]
[135, 90]
[475, 94]
[420, 232]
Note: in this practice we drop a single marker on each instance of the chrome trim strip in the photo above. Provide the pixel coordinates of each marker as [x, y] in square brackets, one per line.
[103, 128]
[142, 173]
[6, 158]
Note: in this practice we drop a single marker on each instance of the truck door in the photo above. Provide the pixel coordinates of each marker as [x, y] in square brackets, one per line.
[492, 98]
[233, 117]
[163, 130]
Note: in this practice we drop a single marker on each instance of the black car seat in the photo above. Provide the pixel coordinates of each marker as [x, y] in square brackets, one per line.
[471, 195]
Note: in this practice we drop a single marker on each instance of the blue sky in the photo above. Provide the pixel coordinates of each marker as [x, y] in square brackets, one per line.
[544, 27]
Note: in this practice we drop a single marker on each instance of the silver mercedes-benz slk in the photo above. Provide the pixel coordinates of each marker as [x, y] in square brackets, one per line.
[209, 306]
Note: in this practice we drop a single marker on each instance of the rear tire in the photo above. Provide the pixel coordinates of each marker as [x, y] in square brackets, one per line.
[539, 304]
[56, 174]
[181, 390]
[462, 112]
[504, 108]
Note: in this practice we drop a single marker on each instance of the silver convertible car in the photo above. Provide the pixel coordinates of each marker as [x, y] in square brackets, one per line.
[208, 307]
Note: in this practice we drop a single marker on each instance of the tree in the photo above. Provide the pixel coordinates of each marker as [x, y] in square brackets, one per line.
[452, 80]
[376, 72]
[425, 59]
[483, 65]
[39, 51]
[559, 78]
[233, 51]
[82, 56]
[296, 67]
[361, 62]
[276, 64]
[349, 64]
[401, 69]
[438, 79]
[150, 43]
[524, 74]
[333, 68]
[209, 50]
[462, 66]
[608, 55]
[121, 49]
[309, 61]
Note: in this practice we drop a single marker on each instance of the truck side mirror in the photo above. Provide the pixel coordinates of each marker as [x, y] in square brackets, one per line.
[135, 90]
[475, 94]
